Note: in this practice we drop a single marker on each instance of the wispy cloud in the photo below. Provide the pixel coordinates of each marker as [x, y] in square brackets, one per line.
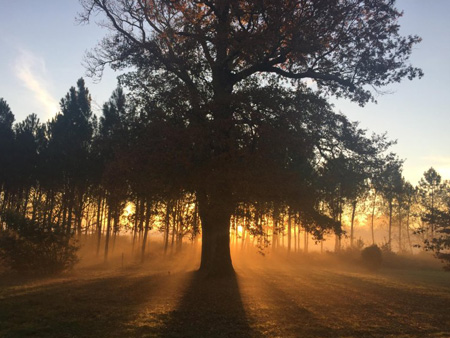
[31, 70]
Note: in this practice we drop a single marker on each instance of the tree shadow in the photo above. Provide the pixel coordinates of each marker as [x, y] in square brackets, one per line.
[180, 304]
[104, 306]
[210, 307]
[281, 315]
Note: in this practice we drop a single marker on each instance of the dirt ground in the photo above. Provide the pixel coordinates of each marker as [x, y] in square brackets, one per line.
[269, 297]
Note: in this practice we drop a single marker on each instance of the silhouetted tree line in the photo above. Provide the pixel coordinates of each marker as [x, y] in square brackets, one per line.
[126, 172]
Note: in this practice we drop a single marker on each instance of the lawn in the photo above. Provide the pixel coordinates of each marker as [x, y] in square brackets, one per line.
[269, 297]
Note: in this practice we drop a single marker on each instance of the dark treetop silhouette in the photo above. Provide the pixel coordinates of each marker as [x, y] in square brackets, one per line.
[227, 76]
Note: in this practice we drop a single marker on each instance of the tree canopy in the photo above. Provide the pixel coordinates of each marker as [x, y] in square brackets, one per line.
[223, 82]
[209, 46]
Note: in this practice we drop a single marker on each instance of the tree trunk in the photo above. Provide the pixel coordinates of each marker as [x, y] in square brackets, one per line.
[69, 216]
[99, 221]
[64, 213]
[135, 227]
[116, 225]
[146, 230]
[215, 216]
[141, 218]
[108, 233]
[36, 204]
[274, 233]
[167, 226]
[305, 239]
[352, 223]
[407, 231]
[296, 246]
[390, 226]
[51, 207]
[289, 231]
[400, 247]
[25, 203]
[79, 213]
[174, 227]
[373, 216]
[195, 225]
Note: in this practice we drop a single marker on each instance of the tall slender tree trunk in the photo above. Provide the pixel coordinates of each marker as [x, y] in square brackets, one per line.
[64, 213]
[432, 213]
[274, 232]
[352, 236]
[373, 216]
[45, 210]
[179, 237]
[25, 202]
[196, 225]
[146, 230]
[99, 221]
[338, 238]
[236, 230]
[289, 231]
[305, 240]
[18, 200]
[174, 226]
[407, 230]
[390, 227]
[141, 218]
[79, 213]
[135, 227]
[69, 216]
[116, 225]
[167, 227]
[36, 202]
[108, 233]
[400, 247]
[51, 207]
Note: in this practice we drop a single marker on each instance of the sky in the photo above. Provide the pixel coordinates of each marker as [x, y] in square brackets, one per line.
[42, 49]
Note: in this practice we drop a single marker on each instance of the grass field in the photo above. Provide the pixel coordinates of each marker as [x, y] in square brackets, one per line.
[270, 297]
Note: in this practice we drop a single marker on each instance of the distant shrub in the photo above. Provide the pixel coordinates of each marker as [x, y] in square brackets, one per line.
[33, 247]
[372, 257]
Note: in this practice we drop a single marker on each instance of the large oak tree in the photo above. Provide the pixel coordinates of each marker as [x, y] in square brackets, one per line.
[221, 59]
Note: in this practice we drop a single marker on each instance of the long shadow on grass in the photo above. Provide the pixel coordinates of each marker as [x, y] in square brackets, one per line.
[209, 308]
[411, 305]
[100, 307]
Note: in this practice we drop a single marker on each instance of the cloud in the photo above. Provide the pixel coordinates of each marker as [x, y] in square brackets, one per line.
[31, 70]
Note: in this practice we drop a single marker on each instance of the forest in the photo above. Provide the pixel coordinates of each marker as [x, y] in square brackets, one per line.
[218, 192]
[93, 179]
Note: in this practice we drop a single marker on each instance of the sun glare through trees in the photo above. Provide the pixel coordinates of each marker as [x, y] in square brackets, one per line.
[218, 192]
